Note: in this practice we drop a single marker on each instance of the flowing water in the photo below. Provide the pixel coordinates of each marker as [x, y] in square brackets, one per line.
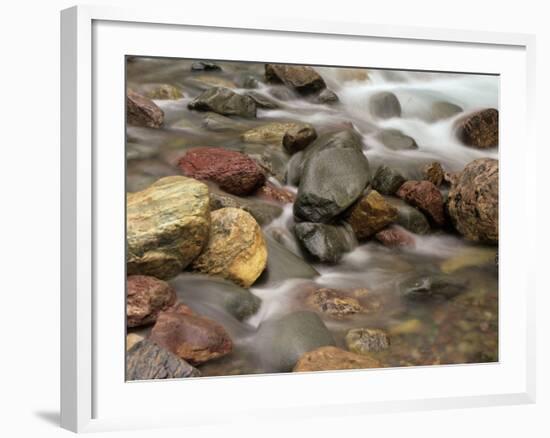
[461, 330]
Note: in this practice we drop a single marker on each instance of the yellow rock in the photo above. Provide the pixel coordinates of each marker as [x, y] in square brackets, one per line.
[467, 258]
[236, 249]
[408, 327]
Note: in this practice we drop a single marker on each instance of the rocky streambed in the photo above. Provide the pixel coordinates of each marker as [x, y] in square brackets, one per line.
[287, 218]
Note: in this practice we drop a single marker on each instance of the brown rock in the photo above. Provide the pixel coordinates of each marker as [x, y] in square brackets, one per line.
[426, 197]
[332, 358]
[191, 337]
[365, 340]
[292, 136]
[302, 79]
[479, 130]
[434, 173]
[234, 172]
[145, 298]
[333, 303]
[371, 214]
[473, 201]
[141, 111]
[270, 192]
[394, 236]
[236, 249]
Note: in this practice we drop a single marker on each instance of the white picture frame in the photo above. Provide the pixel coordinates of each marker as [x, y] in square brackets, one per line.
[92, 393]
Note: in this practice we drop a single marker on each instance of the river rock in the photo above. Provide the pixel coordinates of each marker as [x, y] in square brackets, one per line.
[270, 192]
[236, 249]
[294, 169]
[281, 342]
[469, 257]
[233, 171]
[370, 214]
[425, 196]
[202, 289]
[166, 226]
[335, 173]
[250, 82]
[366, 340]
[473, 201]
[162, 92]
[145, 298]
[431, 287]
[132, 339]
[395, 237]
[409, 217]
[293, 136]
[218, 123]
[324, 242]
[395, 140]
[444, 110]
[147, 360]
[387, 180]
[191, 337]
[205, 66]
[434, 173]
[479, 130]
[332, 359]
[385, 105]
[263, 212]
[328, 97]
[142, 111]
[283, 264]
[302, 79]
[223, 101]
[263, 101]
[205, 82]
[333, 303]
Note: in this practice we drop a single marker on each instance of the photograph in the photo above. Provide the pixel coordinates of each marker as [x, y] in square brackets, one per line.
[287, 218]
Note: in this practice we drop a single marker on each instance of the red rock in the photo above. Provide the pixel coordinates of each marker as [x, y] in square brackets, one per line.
[425, 196]
[394, 236]
[146, 297]
[191, 337]
[270, 192]
[234, 172]
[141, 111]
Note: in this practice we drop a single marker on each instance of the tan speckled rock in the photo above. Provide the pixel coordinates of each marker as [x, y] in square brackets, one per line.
[479, 130]
[332, 358]
[291, 135]
[236, 249]
[167, 226]
[132, 339]
[473, 201]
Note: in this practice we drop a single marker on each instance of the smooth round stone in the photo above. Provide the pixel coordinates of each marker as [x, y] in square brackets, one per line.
[366, 340]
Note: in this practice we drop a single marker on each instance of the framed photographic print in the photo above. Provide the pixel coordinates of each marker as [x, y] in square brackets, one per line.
[251, 210]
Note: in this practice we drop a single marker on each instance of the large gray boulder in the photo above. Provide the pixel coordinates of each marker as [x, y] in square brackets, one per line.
[335, 173]
[325, 243]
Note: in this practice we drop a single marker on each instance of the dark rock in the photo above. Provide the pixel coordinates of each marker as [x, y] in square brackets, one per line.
[283, 341]
[205, 66]
[370, 214]
[444, 110]
[224, 101]
[294, 169]
[387, 180]
[191, 337]
[218, 123]
[145, 298]
[425, 196]
[395, 140]
[263, 212]
[146, 361]
[325, 243]
[302, 79]
[141, 111]
[409, 217]
[431, 287]
[232, 171]
[327, 97]
[385, 105]
[262, 101]
[365, 340]
[434, 173]
[394, 236]
[335, 173]
[479, 130]
[332, 359]
[473, 201]
[250, 82]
